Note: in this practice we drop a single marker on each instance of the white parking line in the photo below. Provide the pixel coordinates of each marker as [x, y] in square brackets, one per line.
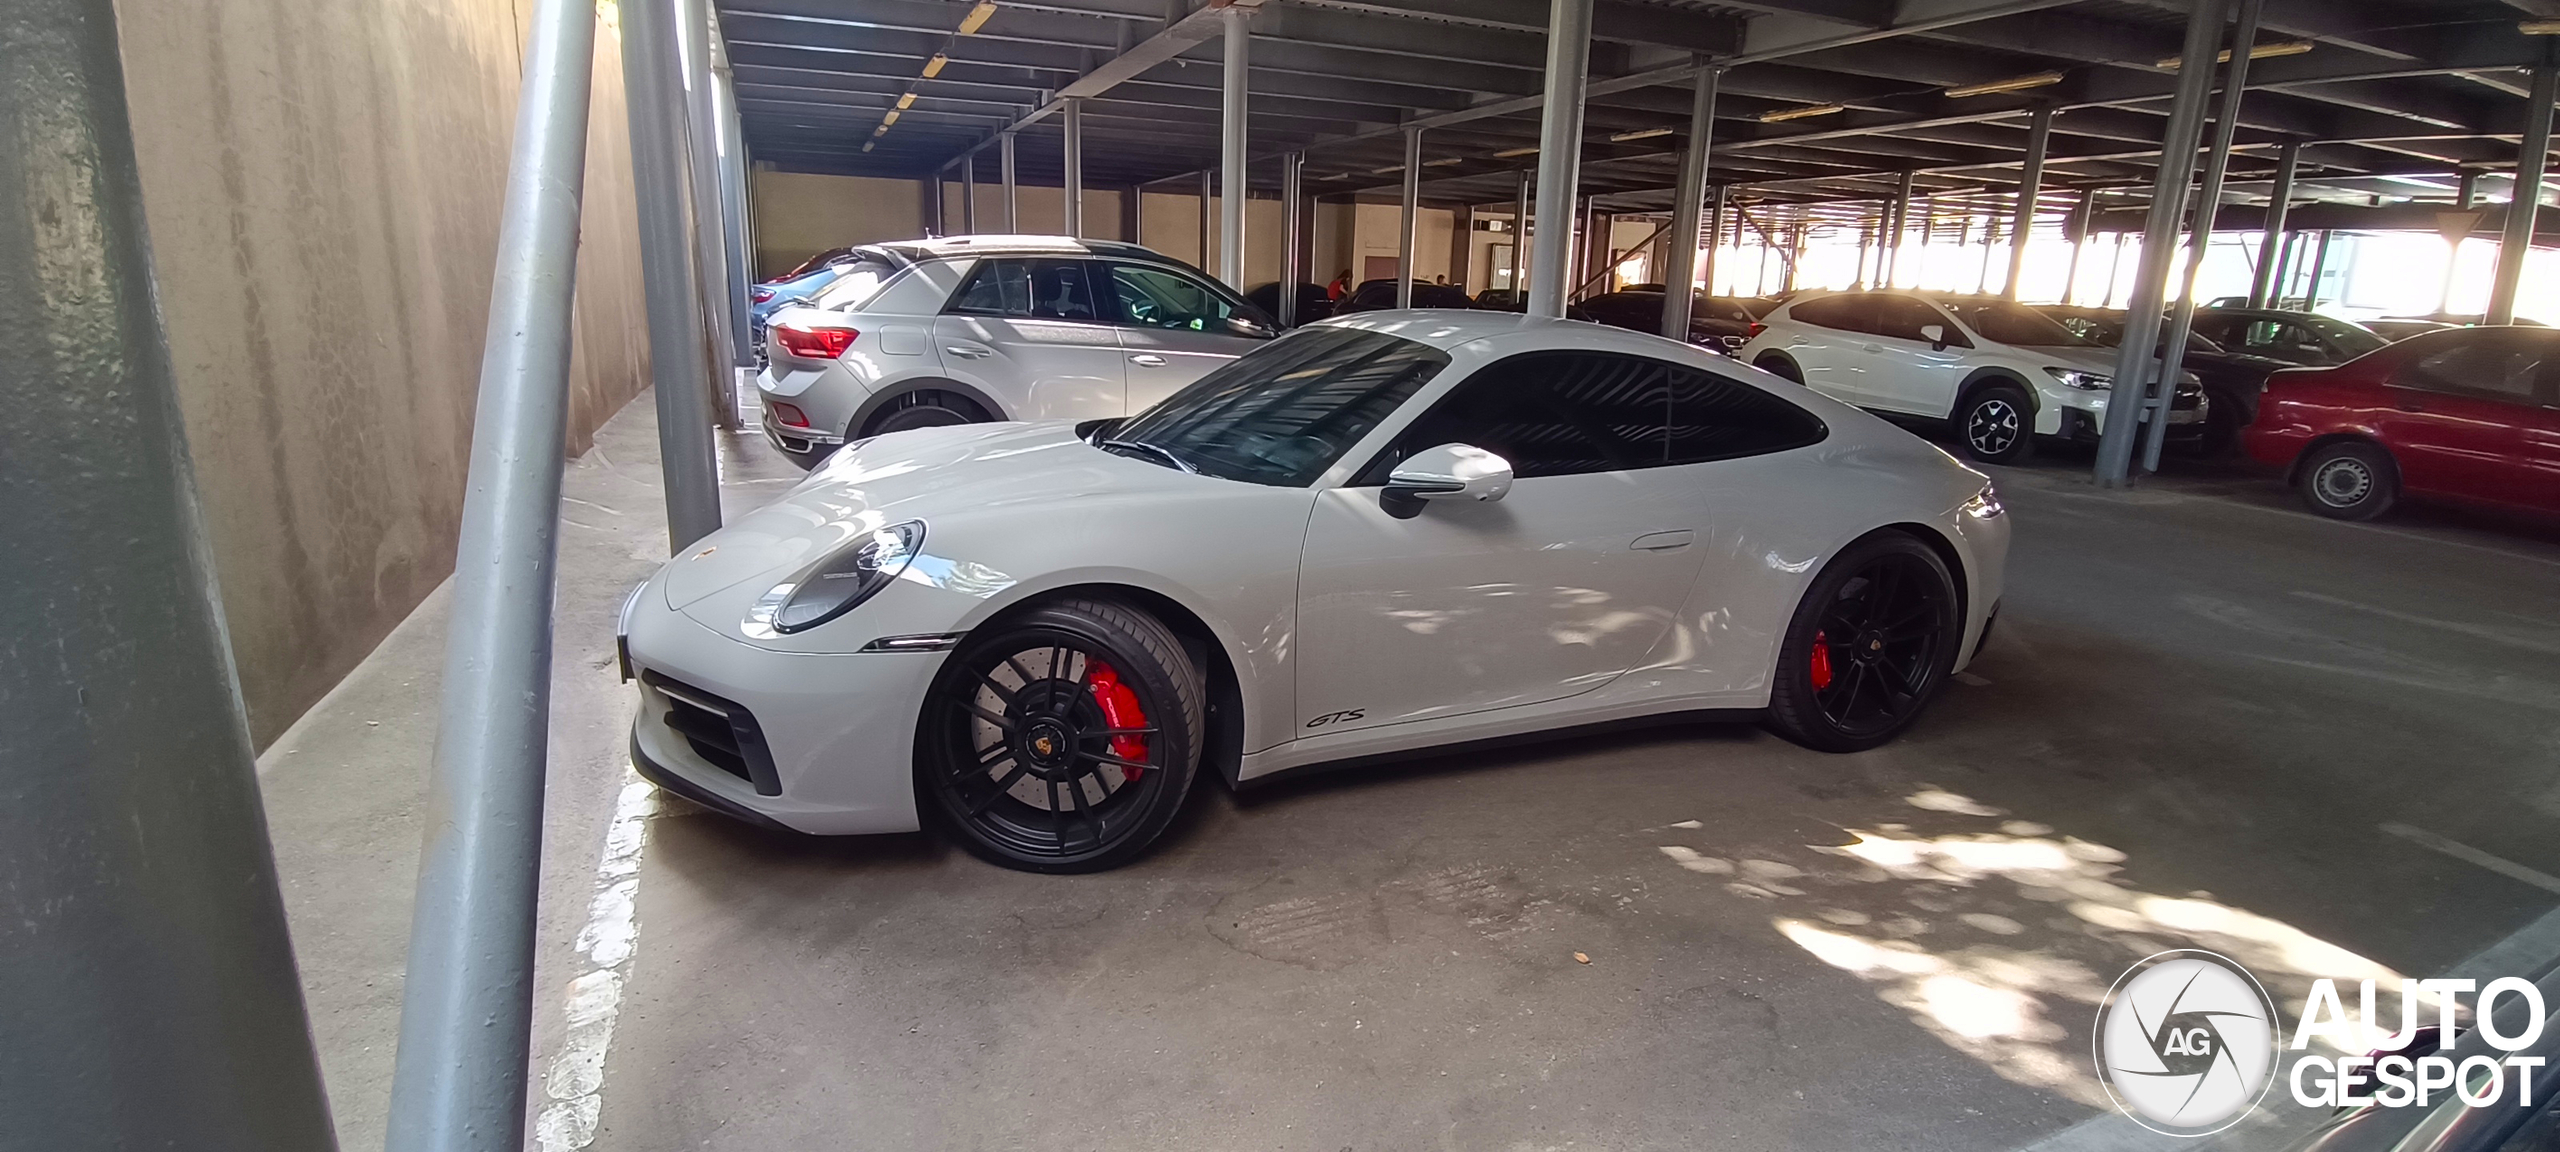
[575, 1082]
[2470, 855]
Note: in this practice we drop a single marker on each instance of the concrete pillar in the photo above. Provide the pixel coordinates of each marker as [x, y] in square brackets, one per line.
[2271, 238]
[151, 995]
[2532, 157]
[1687, 202]
[2151, 278]
[2030, 183]
[1074, 182]
[1560, 150]
[1412, 205]
[1231, 152]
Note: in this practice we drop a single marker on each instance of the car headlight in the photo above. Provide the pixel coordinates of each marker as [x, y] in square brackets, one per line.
[2084, 381]
[1986, 504]
[839, 580]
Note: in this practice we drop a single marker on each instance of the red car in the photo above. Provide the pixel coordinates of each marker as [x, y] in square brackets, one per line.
[2468, 414]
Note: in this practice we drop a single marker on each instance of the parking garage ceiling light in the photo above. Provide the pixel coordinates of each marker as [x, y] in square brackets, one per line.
[2539, 27]
[977, 17]
[1639, 134]
[1444, 162]
[2261, 52]
[1514, 153]
[2012, 84]
[933, 67]
[1810, 110]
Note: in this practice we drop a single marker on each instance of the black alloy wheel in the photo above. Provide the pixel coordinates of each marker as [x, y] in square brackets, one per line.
[2349, 480]
[1996, 426]
[923, 409]
[1063, 739]
[1869, 647]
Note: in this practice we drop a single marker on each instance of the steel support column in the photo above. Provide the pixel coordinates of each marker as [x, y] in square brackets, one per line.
[1688, 202]
[1520, 235]
[2466, 189]
[1293, 233]
[969, 194]
[1897, 227]
[151, 995]
[1716, 198]
[1074, 168]
[2217, 163]
[685, 402]
[1012, 190]
[1231, 153]
[2160, 237]
[2022, 222]
[465, 1016]
[2080, 214]
[2271, 232]
[731, 176]
[2523, 205]
[1409, 221]
[1560, 151]
[1207, 220]
[933, 205]
[702, 169]
[2319, 268]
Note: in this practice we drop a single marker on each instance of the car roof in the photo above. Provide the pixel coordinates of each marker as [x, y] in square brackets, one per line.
[1446, 328]
[944, 247]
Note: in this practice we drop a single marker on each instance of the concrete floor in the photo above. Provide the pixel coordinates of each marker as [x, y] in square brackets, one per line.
[2208, 720]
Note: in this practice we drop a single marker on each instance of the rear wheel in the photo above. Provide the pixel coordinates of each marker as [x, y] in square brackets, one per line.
[2349, 480]
[1868, 648]
[1780, 367]
[1996, 425]
[927, 408]
[1062, 740]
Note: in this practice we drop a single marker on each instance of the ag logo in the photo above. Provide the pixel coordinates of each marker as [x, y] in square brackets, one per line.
[1336, 718]
[2186, 1042]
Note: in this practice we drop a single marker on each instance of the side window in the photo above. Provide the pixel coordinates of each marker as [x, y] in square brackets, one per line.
[1848, 312]
[1556, 414]
[1717, 419]
[2492, 369]
[1157, 298]
[1031, 289]
[1902, 317]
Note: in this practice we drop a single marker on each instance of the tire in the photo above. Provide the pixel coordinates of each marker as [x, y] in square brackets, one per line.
[1780, 367]
[2349, 480]
[924, 408]
[1061, 739]
[2222, 424]
[1996, 425]
[1896, 603]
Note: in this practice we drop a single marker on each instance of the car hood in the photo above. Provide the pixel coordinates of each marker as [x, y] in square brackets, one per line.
[971, 472]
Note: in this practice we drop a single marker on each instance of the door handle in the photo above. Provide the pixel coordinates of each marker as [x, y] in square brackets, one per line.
[1663, 541]
[1147, 360]
[966, 352]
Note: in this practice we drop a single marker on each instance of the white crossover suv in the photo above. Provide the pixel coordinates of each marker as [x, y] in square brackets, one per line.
[1998, 372]
[1377, 534]
[978, 328]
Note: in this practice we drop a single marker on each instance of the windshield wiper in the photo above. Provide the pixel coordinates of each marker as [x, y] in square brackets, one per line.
[1157, 450]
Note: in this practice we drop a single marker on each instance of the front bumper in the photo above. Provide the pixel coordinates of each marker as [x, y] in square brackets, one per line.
[837, 729]
[2186, 420]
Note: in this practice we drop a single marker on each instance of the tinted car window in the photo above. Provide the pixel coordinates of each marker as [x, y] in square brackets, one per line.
[2495, 366]
[1902, 317]
[1161, 298]
[1568, 413]
[856, 284]
[2284, 340]
[1848, 312]
[2015, 324]
[1283, 413]
[1031, 289]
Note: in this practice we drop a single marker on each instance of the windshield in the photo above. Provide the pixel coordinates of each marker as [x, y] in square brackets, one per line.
[2002, 322]
[1285, 412]
[2353, 339]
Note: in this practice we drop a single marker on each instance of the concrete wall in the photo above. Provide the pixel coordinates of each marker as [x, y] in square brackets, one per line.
[322, 181]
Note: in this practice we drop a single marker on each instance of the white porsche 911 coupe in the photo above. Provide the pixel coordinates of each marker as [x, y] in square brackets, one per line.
[1385, 533]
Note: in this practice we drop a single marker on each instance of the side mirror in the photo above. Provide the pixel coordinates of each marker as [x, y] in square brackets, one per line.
[1246, 326]
[1448, 472]
[1936, 335]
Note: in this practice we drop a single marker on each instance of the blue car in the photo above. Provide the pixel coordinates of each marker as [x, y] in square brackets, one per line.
[766, 299]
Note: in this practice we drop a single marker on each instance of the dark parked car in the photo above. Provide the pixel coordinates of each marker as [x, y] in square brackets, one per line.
[1501, 300]
[2303, 338]
[2470, 414]
[2404, 327]
[2231, 380]
[1378, 295]
[1714, 321]
[1313, 302]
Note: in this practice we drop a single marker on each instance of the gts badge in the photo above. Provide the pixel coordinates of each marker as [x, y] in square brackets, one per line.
[1336, 718]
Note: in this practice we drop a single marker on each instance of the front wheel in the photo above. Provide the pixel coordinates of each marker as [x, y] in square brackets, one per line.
[2350, 480]
[1868, 648]
[1064, 739]
[1997, 426]
[926, 408]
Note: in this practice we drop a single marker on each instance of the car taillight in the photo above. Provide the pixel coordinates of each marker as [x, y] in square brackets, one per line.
[762, 294]
[814, 343]
[1758, 328]
[787, 413]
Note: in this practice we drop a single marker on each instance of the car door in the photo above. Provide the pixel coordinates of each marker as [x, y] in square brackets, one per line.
[1905, 371]
[1029, 333]
[1174, 328]
[1827, 342]
[2461, 407]
[1555, 589]
[2541, 444]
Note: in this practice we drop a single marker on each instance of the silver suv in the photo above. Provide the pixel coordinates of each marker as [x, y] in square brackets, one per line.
[976, 328]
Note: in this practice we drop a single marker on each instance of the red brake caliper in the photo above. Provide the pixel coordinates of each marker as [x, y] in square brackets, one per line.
[1120, 709]
[1820, 665]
